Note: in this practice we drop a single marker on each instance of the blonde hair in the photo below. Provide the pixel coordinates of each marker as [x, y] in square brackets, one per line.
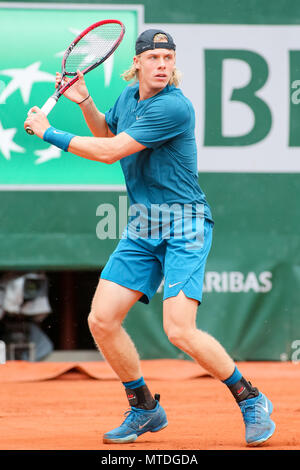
[132, 72]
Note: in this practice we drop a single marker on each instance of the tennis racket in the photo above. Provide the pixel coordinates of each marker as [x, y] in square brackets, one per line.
[88, 50]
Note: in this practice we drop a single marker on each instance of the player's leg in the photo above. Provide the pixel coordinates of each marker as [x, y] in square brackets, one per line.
[179, 315]
[110, 305]
[183, 292]
[132, 273]
[184, 272]
[180, 326]
[123, 282]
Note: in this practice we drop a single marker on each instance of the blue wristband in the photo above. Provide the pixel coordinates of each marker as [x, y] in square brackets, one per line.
[58, 138]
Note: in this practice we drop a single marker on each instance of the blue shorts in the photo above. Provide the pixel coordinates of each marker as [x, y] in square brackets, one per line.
[141, 264]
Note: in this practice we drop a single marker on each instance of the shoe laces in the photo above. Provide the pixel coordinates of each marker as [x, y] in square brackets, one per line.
[132, 415]
[249, 413]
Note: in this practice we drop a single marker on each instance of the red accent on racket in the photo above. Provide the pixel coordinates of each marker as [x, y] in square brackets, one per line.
[88, 50]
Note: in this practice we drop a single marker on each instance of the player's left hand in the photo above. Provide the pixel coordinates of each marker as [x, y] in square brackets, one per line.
[37, 121]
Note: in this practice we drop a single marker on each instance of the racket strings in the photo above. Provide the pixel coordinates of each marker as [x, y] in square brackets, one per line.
[93, 47]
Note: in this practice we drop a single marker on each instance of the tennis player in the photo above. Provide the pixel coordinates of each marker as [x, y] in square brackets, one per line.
[150, 130]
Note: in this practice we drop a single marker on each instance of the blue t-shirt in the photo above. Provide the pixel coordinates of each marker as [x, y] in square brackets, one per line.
[166, 171]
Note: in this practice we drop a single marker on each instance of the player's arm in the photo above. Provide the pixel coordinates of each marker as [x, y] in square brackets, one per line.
[79, 94]
[103, 149]
[95, 119]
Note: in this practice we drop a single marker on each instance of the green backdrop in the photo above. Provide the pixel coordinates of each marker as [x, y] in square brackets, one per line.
[257, 224]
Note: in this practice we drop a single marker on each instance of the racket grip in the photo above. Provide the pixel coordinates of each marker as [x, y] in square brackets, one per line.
[50, 103]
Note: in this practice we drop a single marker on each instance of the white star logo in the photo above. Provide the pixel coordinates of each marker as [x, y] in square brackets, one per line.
[86, 49]
[23, 79]
[48, 154]
[7, 144]
[76, 33]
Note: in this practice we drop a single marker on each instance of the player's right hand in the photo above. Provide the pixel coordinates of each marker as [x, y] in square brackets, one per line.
[77, 92]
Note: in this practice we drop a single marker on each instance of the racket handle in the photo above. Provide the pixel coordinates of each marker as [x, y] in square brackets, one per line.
[50, 103]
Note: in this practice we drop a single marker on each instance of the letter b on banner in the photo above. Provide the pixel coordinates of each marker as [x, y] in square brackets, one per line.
[214, 135]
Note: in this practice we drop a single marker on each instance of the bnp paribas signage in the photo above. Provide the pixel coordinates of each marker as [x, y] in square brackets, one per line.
[33, 38]
[244, 81]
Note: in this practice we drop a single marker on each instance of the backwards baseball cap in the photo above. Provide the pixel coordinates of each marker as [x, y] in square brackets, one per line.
[145, 41]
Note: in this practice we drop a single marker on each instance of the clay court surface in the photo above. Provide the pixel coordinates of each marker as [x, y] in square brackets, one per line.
[68, 406]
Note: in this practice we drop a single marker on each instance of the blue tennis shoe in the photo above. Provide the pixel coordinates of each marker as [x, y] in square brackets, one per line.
[137, 422]
[256, 414]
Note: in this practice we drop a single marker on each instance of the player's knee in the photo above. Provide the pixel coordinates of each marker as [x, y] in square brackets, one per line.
[177, 335]
[100, 325]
